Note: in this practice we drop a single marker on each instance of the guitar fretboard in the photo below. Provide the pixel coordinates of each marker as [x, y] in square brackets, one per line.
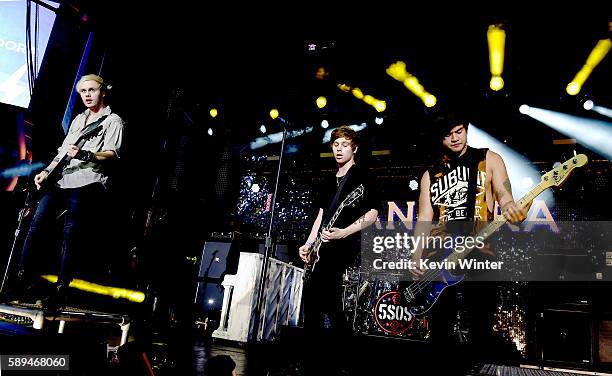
[489, 229]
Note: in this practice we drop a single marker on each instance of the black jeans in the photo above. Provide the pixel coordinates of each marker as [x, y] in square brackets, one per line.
[82, 207]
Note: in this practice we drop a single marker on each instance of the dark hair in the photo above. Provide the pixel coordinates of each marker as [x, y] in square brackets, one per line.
[444, 123]
[219, 365]
[345, 132]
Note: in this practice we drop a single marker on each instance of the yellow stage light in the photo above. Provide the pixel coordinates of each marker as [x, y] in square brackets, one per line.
[595, 57]
[496, 37]
[321, 102]
[497, 83]
[115, 292]
[274, 113]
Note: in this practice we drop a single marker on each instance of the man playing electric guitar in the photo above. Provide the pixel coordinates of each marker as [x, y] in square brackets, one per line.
[463, 186]
[80, 188]
[322, 297]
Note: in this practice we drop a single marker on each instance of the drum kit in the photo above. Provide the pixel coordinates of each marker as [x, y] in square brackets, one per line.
[377, 308]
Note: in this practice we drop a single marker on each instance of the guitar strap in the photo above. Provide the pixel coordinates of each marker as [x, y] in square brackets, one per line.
[472, 163]
[332, 207]
[95, 123]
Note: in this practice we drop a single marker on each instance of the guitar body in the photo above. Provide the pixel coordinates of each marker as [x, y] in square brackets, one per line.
[313, 254]
[55, 174]
[422, 295]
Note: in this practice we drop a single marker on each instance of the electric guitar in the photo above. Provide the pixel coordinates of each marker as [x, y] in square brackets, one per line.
[313, 251]
[421, 295]
[55, 173]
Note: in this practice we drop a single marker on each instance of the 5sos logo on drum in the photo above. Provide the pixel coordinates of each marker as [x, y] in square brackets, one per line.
[392, 316]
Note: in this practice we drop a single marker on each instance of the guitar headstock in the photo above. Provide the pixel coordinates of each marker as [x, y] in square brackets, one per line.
[557, 176]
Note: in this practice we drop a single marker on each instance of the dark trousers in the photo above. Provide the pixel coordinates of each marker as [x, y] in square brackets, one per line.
[83, 206]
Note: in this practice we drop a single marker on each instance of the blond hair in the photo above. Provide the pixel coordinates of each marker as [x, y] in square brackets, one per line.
[90, 77]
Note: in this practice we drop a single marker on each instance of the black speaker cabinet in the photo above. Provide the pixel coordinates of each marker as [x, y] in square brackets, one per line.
[566, 337]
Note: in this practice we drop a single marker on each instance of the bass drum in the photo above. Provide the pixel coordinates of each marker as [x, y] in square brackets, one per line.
[376, 307]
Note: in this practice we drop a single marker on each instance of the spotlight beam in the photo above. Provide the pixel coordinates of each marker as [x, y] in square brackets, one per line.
[519, 168]
[593, 134]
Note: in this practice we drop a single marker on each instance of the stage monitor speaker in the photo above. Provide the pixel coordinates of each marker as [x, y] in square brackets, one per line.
[217, 260]
[566, 337]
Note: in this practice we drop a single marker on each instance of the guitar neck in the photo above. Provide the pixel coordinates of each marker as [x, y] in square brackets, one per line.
[490, 229]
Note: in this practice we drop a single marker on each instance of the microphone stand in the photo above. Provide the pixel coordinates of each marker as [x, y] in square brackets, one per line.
[268, 245]
[25, 210]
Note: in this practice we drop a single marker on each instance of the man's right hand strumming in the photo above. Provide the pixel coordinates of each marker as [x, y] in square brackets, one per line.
[40, 178]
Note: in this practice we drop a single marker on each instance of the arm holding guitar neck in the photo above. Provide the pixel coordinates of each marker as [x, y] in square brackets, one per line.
[364, 221]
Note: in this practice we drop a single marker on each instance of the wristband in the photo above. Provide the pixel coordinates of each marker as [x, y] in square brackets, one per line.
[86, 156]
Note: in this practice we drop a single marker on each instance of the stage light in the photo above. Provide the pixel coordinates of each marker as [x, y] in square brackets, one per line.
[211, 301]
[588, 104]
[255, 188]
[322, 73]
[430, 100]
[262, 128]
[524, 109]
[380, 106]
[321, 101]
[603, 110]
[324, 124]
[414, 185]
[210, 131]
[398, 71]
[573, 88]
[496, 37]
[115, 292]
[527, 182]
[357, 93]
[378, 120]
[213, 112]
[519, 168]
[598, 53]
[344, 87]
[274, 113]
[591, 133]
[497, 83]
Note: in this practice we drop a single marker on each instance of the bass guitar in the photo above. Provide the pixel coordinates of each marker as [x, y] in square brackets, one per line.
[421, 295]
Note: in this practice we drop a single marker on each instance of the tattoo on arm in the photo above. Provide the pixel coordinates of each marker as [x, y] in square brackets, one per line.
[507, 189]
[508, 186]
[361, 219]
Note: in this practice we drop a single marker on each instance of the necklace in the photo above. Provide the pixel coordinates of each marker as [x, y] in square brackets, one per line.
[339, 179]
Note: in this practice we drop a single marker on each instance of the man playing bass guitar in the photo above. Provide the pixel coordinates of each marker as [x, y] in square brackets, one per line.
[463, 185]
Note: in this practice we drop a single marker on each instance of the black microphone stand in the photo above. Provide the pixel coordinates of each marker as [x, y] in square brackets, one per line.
[26, 209]
[268, 245]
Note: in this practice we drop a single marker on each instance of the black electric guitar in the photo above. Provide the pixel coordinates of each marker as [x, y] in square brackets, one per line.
[55, 173]
[313, 251]
[421, 295]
